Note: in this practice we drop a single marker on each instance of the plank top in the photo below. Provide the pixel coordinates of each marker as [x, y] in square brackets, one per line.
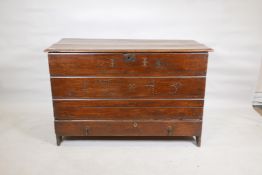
[126, 45]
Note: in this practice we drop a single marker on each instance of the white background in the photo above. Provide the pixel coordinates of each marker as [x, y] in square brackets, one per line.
[232, 132]
[259, 81]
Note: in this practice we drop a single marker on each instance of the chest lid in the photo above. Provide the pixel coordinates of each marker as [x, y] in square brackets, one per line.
[73, 45]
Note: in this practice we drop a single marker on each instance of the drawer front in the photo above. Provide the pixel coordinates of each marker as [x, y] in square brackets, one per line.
[128, 87]
[128, 128]
[79, 111]
[118, 64]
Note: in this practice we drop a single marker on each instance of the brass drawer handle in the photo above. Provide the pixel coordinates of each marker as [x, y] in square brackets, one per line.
[169, 130]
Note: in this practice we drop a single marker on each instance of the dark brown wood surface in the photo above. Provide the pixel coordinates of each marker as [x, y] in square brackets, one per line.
[128, 128]
[104, 87]
[126, 113]
[67, 103]
[128, 87]
[126, 45]
[117, 64]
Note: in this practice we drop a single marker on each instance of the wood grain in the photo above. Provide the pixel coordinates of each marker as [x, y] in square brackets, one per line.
[121, 87]
[128, 87]
[128, 128]
[67, 103]
[126, 113]
[126, 45]
[116, 64]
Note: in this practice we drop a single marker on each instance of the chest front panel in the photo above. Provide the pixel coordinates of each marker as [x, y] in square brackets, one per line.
[126, 92]
[124, 64]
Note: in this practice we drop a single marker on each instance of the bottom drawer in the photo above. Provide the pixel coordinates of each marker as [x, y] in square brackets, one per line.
[128, 128]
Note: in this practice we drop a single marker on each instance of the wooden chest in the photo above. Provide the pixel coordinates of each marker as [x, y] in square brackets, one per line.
[103, 87]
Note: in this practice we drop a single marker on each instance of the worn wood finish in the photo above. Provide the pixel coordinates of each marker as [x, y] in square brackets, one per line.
[128, 128]
[126, 45]
[104, 87]
[126, 113]
[128, 109]
[128, 87]
[69, 103]
[117, 64]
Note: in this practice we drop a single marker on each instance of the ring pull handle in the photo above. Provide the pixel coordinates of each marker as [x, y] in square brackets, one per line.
[135, 124]
[169, 130]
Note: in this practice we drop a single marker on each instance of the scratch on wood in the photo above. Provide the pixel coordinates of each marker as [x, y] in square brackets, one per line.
[151, 85]
[131, 86]
[112, 63]
[145, 62]
[105, 83]
[174, 87]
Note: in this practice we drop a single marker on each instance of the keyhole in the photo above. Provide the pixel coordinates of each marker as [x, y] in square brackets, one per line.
[129, 57]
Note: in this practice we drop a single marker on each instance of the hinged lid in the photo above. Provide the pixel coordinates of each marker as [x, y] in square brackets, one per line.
[126, 45]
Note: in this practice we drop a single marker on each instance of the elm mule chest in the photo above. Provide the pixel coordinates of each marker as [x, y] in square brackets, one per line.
[104, 87]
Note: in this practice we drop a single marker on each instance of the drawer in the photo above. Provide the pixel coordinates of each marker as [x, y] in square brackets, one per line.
[80, 111]
[136, 64]
[128, 128]
[114, 87]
